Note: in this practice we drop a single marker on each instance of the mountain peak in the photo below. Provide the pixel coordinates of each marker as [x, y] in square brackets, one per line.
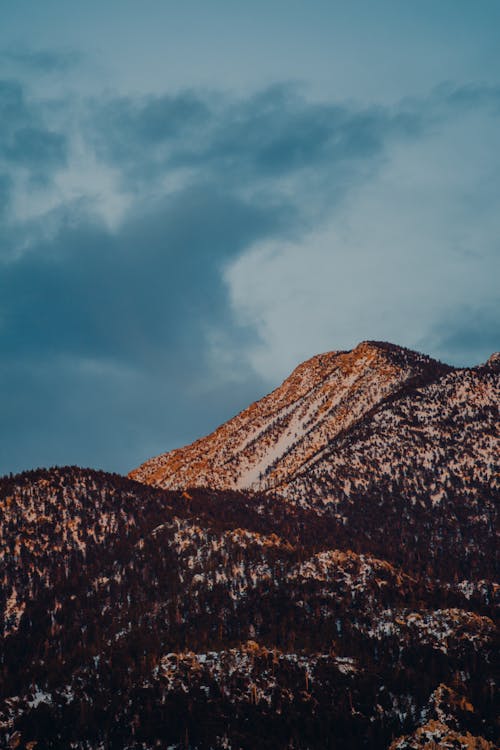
[394, 352]
[271, 441]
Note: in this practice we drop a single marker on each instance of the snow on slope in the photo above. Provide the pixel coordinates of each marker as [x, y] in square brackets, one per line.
[438, 442]
[271, 441]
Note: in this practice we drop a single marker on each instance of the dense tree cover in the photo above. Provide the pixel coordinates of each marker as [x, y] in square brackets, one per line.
[138, 618]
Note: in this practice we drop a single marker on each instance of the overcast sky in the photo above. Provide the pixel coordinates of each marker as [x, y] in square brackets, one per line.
[197, 196]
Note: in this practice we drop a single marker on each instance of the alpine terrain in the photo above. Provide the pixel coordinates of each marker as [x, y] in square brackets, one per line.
[319, 572]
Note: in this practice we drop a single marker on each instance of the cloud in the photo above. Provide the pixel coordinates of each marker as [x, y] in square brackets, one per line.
[139, 135]
[469, 96]
[134, 293]
[42, 60]
[106, 335]
[26, 140]
[5, 191]
[250, 233]
[395, 259]
[269, 141]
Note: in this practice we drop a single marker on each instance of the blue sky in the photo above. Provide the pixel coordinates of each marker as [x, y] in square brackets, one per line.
[196, 196]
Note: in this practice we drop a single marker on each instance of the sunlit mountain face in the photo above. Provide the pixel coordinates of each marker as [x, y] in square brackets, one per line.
[319, 572]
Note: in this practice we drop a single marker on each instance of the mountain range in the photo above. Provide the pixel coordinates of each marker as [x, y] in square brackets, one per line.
[319, 572]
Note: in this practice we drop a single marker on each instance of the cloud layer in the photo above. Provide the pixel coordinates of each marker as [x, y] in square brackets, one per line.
[165, 259]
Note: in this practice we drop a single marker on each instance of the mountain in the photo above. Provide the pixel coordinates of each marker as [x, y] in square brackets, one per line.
[379, 432]
[299, 428]
[348, 599]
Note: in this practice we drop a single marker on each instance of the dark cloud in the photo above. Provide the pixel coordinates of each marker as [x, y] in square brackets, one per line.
[151, 121]
[140, 135]
[25, 139]
[5, 193]
[468, 96]
[105, 332]
[42, 61]
[35, 148]
[136, 294]
[264, 138]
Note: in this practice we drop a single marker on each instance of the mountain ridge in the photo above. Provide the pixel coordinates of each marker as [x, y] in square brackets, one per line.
[266, 443]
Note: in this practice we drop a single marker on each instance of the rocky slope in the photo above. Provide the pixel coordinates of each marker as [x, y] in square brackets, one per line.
[274, 438]
[301, 429]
